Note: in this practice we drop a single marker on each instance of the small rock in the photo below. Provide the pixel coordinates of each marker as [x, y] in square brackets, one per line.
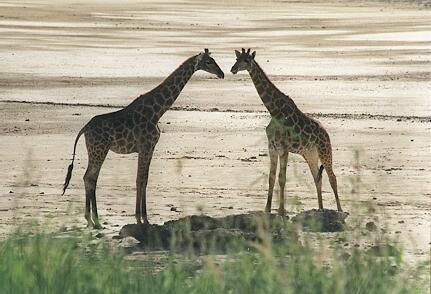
[230, 207]
[99, 235]
[42, 193]
[27, 119]
[10, 192]
[345, 256]
[371, 226]
[173, 208]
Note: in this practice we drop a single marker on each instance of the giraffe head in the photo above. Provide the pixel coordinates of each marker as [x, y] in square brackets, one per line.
[243, 60]
[206, 63]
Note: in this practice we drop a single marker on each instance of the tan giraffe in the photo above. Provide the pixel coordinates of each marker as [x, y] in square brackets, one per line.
[134, 129]
[290, 130]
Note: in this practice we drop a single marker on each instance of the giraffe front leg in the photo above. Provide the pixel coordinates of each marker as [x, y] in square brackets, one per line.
[282, 181]
[138, 198]
[144, 161]
[273, 157]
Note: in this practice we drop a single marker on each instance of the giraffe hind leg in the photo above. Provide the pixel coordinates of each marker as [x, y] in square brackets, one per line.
[144, 161]
[327, 164]
[312, 159]
[95, 161]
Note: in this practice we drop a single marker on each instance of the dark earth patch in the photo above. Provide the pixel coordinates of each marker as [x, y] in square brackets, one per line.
[205, 234]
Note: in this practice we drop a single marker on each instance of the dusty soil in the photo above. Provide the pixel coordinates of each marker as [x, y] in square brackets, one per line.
[361, 68]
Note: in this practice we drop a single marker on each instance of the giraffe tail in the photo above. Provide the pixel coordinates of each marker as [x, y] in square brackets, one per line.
[319, 174]
[70, 168]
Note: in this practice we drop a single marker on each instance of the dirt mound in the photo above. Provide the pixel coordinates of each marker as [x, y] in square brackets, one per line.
[321, 220]
[203, 233]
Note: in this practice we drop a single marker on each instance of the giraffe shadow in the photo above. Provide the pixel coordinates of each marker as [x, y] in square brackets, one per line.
[203, 234]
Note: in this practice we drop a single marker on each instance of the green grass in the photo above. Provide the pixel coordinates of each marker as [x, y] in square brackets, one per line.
[75, 263]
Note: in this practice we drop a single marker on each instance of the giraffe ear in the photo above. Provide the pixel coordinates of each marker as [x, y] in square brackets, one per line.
[207, 51]
[237, 53]
[253, 54]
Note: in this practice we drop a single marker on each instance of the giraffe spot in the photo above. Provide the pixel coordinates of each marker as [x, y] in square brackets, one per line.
[147, 112]
[260, 88]
[166, 92]
[301, 121]
[279, 103]
[157, 108]
[289, 120]
[136, 117]
[159, 99]
[174, 89]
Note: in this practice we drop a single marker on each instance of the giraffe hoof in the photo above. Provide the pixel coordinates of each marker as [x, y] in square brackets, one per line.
[282, 212]
[97, 226]
[268, 209]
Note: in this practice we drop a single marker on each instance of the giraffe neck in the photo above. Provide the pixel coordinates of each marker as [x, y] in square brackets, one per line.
[278, 104]
[161, 98]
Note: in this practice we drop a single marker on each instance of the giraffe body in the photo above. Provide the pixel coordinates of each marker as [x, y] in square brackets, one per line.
[289, 131]
[134, 129]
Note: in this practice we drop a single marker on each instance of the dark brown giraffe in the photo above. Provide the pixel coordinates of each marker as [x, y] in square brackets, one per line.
[290, 130]
[134, 129]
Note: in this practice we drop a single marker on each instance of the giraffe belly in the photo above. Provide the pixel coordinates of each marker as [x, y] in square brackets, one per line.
[124, 147]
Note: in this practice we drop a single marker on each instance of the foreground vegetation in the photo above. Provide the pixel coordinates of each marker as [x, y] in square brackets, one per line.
[75, 262]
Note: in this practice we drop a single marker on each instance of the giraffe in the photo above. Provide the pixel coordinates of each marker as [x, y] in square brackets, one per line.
[290, 130]
[134, 129]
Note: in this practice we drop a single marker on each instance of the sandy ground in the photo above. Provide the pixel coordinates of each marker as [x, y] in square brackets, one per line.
[362, 69]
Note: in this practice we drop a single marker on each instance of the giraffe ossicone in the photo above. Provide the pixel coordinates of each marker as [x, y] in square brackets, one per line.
[134, 129]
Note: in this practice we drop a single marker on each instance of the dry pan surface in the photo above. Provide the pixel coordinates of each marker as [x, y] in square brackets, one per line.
[361, 68]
